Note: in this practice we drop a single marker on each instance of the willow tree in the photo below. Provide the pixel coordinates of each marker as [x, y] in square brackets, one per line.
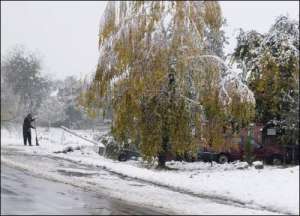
[154, 57]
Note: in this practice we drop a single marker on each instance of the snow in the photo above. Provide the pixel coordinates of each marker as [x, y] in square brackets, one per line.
[233, 76]
[54, 93]
[167, 20]
[230, 77]
[143, 194]
[281, 43]
[272, 188]
[251, 186]
[164, 29]
[257, 163]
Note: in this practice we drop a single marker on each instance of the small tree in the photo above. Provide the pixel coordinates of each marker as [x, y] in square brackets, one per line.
[9, 102]
[22, 75]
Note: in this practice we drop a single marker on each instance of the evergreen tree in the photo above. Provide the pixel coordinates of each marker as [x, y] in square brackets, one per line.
[271, 69]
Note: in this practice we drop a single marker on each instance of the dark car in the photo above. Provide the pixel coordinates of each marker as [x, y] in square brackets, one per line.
[207, 156]
[127, 154]
[225, 156]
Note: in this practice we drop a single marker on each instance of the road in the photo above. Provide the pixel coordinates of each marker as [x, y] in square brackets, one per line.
[22, 193]
[49, 188]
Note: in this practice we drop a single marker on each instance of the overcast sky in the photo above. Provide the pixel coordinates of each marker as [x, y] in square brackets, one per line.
[65, 33]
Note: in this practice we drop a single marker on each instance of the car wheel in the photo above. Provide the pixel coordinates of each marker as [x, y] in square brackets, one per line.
[188, 158]
[223, 159]
[276, 160]
[122, 157]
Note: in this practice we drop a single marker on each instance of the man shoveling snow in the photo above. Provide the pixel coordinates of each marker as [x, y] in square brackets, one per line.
[27, 129]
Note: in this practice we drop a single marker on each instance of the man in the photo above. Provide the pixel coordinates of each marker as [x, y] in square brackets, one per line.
[26, 129]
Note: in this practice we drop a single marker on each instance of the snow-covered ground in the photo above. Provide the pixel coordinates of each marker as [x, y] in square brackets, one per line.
[272, 188]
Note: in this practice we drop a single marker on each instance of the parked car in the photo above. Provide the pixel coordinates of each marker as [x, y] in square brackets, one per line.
[128, 154]
[269, 154]
[265, 146]
[222, 156]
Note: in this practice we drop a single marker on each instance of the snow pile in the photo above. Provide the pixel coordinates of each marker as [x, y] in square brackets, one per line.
[206, 166]
[258, 164]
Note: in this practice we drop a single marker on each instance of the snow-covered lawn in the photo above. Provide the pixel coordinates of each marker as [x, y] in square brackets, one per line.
[273, 188]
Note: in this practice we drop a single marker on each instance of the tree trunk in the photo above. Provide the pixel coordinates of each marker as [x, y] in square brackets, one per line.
[161, 160]
[165, 134]
[162, 154]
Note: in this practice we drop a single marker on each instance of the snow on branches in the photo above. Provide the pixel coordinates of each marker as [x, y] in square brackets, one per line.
[161, 67]
[281, 43]
[135, 33]
[270, 64]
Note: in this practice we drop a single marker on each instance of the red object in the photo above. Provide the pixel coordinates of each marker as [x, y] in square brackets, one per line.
[265, 147]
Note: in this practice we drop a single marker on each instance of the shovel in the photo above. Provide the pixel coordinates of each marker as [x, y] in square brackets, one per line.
[36, 139]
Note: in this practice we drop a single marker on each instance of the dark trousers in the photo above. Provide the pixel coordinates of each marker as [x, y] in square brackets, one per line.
[27, 136]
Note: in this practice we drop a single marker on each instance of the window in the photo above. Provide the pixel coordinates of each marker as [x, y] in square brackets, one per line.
[271, 131]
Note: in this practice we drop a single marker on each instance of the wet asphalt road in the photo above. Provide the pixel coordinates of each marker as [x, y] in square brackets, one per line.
[22, 193]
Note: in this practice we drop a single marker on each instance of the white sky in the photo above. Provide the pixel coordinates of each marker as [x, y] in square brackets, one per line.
[65, 33]
[257, 15]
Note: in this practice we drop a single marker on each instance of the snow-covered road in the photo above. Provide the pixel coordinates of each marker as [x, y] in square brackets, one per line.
[23, 193]
[94, 179]
[191, 188]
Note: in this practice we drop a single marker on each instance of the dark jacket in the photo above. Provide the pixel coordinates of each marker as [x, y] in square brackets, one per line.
[27, 123]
